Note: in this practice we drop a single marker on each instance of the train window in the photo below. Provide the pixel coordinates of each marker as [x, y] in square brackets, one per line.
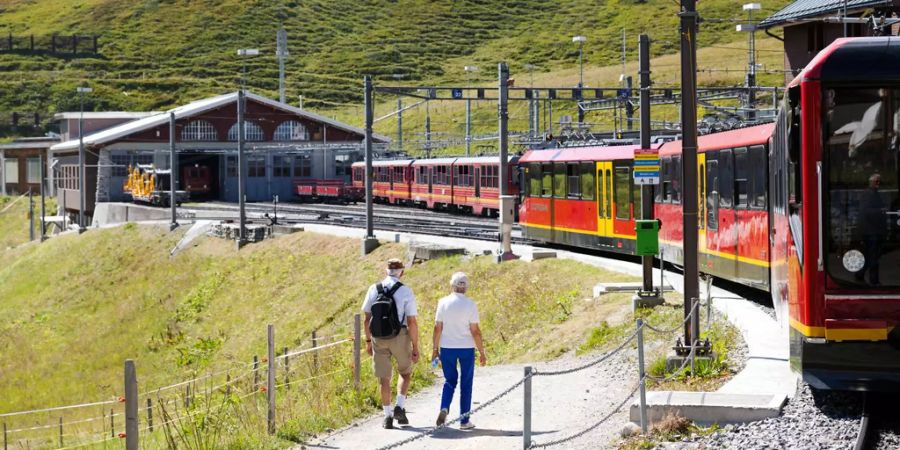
[588, 185]
[533, 175]
[726, 179]
[281, 166]
[559, 180]
[573, 181]
[712, 193]
[635, 196]
[398, 174]
[546, 180]
[741, 178]
[675, 176]
[759, 168]
[795, 191]
[303, 166]
[489, 176]
[622, 193]
[666, 181]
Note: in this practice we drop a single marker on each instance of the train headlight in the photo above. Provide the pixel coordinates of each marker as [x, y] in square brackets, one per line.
[854, 261]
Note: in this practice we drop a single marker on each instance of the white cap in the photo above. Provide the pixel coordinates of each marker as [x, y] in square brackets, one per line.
[459, 280]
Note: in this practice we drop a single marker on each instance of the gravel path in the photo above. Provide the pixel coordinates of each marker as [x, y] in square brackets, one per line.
[562, 406]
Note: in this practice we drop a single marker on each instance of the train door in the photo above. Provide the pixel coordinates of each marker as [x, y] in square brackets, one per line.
[728, 224]
[701, 210]
[604, 198]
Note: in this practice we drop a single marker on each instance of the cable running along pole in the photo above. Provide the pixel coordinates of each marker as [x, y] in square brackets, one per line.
[688, 31]
[646, 189]
[369, 241]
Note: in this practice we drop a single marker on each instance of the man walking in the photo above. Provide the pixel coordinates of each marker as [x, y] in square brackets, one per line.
[456, 334]
[392, 331]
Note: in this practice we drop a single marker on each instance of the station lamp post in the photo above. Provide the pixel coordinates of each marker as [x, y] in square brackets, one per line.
[82, 195]
[242, 232]
[750, 28]
[580, 40]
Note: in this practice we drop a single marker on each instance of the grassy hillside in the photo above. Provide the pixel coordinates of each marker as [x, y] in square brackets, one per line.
[158, 53]
[14, 219]
[77, 306]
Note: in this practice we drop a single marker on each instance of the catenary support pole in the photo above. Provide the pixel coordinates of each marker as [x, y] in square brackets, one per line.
[506, 200]
[42, 174]
[369, 242]
[688, 31]
[641, 380]
[82, 175]
[356, 349]
[30, 215]
[131, 407]
[468, 127]
[526, 413]
[647, 189]
[270, 391]
[427, 131]
[173, 167]
[400, 124]
[242, 187]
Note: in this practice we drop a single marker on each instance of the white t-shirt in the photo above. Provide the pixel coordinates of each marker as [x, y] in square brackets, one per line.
[406, 301]
[456, 311]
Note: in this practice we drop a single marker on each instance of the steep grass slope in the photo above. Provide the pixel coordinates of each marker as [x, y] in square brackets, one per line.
[76, 307]
[158, 53]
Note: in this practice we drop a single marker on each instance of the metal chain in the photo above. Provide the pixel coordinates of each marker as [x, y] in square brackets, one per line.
[588, 429]
[678, 327]
[461, 417]
[592, 363]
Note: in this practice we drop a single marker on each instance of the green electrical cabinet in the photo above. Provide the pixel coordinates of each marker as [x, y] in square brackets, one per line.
[647, 237]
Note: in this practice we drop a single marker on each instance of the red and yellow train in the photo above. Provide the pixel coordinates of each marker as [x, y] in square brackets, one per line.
[807, 208]
[469, 185]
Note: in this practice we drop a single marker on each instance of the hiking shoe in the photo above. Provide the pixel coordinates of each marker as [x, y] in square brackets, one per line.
[400, 415]
[442, 417]
[466, 426]
[388, 423]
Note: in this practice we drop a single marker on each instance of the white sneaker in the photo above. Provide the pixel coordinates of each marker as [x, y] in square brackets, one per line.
[467, 426]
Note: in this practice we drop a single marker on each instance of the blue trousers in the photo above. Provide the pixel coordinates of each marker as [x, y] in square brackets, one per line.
[466, 359]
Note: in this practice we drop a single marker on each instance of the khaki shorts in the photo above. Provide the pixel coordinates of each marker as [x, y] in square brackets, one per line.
[400, 347]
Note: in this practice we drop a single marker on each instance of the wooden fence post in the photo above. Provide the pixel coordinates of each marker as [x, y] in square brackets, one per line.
[112, 422]
[32, 43]
[74, 44]
[271, 379]
[228, 385]
[356, 350]
[95, 44]
[150, 413]
[255, 372]
[52, 43]
[60, 433]
[287, 369]
[131, 406]
[315, 353]
[5, 443]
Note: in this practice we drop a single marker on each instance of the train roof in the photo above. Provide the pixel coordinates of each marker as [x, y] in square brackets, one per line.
[864, 60]
[434, 161]
[573, 154]
[741, 137]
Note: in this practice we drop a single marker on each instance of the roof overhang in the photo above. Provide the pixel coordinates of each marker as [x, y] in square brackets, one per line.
[802, 11]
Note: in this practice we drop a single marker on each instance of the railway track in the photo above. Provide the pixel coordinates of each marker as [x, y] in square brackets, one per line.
[879, 425]
[385, 218]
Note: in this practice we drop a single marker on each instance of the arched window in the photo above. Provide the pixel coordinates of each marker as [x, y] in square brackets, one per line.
[199, 130]
[252, 132]
[291, 130]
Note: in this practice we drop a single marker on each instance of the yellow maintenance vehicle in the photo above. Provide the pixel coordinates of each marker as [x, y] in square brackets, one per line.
[147, 184]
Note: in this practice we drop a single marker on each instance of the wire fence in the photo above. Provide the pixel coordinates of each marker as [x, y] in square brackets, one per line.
[176, 405]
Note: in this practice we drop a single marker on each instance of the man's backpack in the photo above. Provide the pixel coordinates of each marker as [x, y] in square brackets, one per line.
[385, 319]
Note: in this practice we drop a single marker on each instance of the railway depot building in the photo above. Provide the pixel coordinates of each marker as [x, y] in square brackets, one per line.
[282, 144]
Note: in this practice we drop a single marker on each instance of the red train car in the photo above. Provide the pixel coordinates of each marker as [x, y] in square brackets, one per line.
[733, 213]
[391, 180]
[469, 185]
[197, 180]
[329, 191]
[583, 196]
[836, 202]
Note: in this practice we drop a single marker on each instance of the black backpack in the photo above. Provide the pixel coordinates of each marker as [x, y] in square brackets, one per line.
[385, 322]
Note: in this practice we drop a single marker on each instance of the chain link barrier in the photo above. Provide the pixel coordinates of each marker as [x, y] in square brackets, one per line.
[694, 309]
[590, 364]
[459, 418]
[590, 428]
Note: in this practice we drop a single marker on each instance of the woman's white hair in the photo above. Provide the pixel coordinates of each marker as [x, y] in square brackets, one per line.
[459, 282]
